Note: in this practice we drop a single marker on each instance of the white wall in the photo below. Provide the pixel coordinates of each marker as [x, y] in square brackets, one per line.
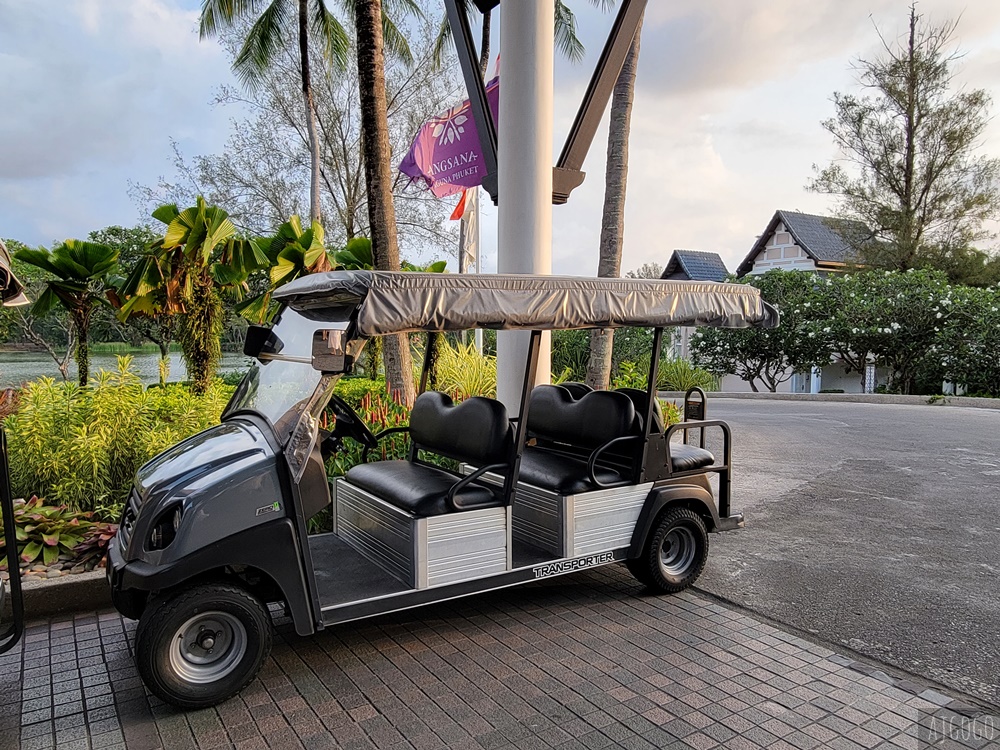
[781, 252]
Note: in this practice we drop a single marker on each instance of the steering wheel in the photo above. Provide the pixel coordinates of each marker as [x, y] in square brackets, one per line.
[349, 424]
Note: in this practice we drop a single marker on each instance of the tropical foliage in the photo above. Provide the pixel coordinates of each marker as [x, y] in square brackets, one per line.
[82, 279]
[199, 257]
[913, 324]
[45, 531]
[81, 447]
[768, 355]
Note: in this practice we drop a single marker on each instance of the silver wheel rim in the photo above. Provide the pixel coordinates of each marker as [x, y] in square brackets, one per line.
[677, 551]
[207, 647]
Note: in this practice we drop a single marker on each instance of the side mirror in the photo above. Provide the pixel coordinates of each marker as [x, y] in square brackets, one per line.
[328, 353]
[260, 339]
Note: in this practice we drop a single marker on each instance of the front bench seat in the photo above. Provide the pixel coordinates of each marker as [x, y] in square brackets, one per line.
[561, 424]
[477, 431]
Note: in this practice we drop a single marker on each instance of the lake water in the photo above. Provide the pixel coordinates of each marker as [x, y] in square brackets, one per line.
[18, 367]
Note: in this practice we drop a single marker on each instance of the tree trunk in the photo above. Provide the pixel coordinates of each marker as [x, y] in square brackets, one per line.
[613, 221]
[81, 320]
[484, 45]
[378, 177]
[315, 214]
[200, 329]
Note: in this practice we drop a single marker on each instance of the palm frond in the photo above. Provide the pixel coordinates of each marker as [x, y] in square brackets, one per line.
[217, 15]
[444, 36]
[336, 42]
[263, 42]
[565, 33]
[394, 41]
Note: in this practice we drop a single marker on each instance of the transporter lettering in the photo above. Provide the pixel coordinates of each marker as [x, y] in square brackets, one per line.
[568, 566]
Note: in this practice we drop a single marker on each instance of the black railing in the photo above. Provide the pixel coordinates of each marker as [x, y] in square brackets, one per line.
[12, 632]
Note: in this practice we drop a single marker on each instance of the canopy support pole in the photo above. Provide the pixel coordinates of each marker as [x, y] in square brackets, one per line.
[521, 435]
[654, 373]
[525, 172]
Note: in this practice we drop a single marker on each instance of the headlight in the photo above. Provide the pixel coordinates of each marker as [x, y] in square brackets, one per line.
[165, 529]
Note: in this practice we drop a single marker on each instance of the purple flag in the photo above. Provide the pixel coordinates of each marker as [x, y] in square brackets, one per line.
[446, 155]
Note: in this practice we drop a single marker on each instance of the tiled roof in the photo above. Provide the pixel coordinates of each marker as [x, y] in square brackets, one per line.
[824, 239]
[695, 265]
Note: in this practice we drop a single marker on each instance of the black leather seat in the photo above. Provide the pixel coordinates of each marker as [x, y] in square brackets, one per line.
[417, 488]
[476, 431]
[689, 457]
[562, 422]
[563, 474]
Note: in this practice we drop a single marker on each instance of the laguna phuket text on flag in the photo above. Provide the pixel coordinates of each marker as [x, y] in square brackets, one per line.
[446, 154]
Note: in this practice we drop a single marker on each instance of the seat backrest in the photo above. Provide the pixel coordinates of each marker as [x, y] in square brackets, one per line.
[585, 422]
[639, 401]
[476, 430]
[577, 390]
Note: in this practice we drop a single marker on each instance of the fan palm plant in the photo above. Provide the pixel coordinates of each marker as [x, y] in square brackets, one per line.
[292, 253]
[83, 273]
[198, 257]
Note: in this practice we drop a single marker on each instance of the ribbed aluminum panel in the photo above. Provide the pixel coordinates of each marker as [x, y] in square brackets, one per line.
[377, 530]
[538, 518]
[605, 520]
[471, 544]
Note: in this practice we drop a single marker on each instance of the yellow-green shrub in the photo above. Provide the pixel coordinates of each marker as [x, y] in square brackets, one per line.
[81, 447]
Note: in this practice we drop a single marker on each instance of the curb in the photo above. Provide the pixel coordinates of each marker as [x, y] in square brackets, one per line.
[853, 398]
[73, 593]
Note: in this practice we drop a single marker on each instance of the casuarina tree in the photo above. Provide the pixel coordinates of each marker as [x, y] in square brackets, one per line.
[909, 168]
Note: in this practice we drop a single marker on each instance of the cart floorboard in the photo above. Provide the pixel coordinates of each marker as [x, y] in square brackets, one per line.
[352, 587]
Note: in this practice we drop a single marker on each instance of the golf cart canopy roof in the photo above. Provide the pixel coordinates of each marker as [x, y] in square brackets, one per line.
[399, 302]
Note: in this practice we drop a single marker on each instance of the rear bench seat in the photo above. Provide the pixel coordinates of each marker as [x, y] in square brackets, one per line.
[567, 430]
[570, 421]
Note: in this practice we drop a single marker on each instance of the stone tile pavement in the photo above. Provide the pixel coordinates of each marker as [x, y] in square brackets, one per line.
[583, 661]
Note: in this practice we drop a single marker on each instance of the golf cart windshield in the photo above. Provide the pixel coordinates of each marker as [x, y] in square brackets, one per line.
[281, 379]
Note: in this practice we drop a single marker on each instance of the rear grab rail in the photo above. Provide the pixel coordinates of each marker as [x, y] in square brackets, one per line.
[724, 470]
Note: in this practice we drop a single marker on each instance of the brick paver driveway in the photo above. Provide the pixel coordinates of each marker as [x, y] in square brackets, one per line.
[582, 661]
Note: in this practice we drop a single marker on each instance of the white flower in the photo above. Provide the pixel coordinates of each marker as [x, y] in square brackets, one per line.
[939, 315]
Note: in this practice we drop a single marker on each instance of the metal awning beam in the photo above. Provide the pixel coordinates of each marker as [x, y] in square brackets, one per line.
[569, 169]
[568, 172]
[468, 58]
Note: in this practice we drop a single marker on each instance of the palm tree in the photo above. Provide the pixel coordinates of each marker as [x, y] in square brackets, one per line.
[82, 270]
[269, 33]
[266, 38]
[613, 220]
[198, 257]
[378, 177]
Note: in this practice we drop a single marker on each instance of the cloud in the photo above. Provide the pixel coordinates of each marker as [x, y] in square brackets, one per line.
[109, 69]
[90, 98]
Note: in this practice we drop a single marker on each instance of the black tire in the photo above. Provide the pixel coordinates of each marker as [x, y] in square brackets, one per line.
[677, 551]
[176, 641]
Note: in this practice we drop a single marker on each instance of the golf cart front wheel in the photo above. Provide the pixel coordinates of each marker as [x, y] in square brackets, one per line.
[203, 645]
[677, 552]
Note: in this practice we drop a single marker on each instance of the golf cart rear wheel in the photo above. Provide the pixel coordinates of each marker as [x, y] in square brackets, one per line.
[198, 647]
[677, 552]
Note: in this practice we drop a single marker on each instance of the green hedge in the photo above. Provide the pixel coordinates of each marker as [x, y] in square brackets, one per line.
[81, 447]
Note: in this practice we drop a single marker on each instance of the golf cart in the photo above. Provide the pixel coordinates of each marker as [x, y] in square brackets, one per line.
[215, 528]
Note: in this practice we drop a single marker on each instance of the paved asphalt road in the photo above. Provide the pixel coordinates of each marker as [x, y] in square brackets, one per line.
[874, 526]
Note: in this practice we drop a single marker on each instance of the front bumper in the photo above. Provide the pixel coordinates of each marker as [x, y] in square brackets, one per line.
[130, 602]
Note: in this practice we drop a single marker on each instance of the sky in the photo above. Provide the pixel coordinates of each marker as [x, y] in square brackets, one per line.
[725, 130]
